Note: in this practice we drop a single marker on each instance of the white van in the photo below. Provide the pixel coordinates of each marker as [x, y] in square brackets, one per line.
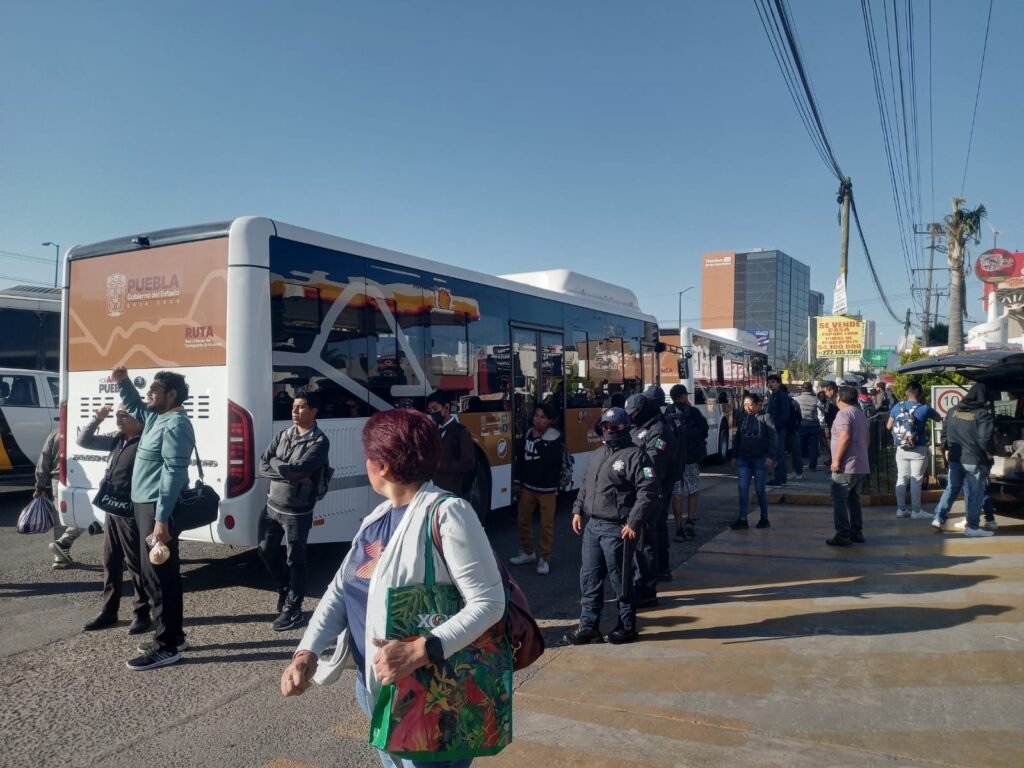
[28, 413]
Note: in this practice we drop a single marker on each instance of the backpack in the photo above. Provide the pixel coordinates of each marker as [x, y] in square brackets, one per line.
[904, 427]
[323, 482]
[565, 476]
[695, 435]
[796, 416]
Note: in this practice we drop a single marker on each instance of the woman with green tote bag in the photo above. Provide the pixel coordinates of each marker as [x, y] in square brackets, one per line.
[421, 623]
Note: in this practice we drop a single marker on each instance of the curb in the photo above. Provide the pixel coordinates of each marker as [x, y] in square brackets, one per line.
[825, 499]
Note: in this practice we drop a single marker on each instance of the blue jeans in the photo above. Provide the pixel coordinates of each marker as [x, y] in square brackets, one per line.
[809, 444]
[603, 552]
[394, 762]
[747, 468]
[846, 510]
[779, 475]
[956, 481]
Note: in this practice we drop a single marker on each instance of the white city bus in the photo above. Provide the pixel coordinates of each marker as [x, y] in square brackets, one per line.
[716, 367]
[251, 310]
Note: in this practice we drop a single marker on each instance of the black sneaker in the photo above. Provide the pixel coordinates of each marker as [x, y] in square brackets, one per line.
[691, 529]
[282, 597]
[739, 524]
[857, 538]
[839, 541]
[648, 602]
[100, 622]
[140, 625]
[289, 619]
[582, 635]
[763, 523]
[153, 659]
[621, 635]
[680, 534]
[152, 646]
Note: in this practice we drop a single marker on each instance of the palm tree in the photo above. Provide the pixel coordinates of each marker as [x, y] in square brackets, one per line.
[962, 225]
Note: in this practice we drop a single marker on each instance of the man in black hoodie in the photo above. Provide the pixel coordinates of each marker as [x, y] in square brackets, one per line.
[538, 467]
[968, 444]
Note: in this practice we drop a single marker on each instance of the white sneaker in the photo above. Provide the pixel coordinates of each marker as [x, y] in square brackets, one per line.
[543, 568]
[921, 515]
[902, 513]
[960, 524]
[990, 525]
[974, 532]
[799, 476]
[937, 524]
[523, 559]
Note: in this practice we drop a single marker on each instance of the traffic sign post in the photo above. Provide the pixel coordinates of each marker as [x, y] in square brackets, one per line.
[944, 399]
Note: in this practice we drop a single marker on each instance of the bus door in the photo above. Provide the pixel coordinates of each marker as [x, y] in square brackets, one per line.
[537, 377]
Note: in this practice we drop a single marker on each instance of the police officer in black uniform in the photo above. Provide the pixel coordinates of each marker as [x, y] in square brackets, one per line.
[620, 491]
[651, 432]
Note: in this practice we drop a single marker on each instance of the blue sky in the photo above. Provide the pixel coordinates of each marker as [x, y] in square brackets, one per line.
[620, 139]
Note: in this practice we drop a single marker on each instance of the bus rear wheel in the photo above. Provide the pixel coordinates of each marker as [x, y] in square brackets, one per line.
[723, 443]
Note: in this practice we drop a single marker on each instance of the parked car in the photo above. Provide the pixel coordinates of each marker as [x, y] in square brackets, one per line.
[1002, 372]
[29, 411]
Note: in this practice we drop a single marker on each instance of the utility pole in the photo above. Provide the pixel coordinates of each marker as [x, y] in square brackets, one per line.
[845, 191]
[932, 230]
[906, 324]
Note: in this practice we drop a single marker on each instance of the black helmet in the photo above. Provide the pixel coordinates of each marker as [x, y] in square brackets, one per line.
[655, 394]
[615, 417]
[635, 404]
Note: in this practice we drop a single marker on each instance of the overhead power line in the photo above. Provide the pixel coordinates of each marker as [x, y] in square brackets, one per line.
[977, 96]
[26, 280]
[24, 257]
[777, 11]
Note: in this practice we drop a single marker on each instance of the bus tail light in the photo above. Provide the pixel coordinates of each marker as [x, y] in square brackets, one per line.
[241, 456]
[62, 432]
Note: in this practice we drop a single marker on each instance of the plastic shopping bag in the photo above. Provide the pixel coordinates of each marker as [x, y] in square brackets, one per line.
[38, 516]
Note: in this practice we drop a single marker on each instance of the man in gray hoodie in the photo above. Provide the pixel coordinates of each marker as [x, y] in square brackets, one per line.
[293, 461]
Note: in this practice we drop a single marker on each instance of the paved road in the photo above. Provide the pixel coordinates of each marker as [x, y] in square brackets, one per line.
[70, 701]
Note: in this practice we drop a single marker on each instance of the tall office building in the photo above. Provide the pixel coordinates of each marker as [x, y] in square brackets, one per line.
[759, 291]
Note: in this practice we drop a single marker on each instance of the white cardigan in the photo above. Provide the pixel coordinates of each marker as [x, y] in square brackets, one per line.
[468, 563]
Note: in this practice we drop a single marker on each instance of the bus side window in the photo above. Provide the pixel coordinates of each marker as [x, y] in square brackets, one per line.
[698, 396]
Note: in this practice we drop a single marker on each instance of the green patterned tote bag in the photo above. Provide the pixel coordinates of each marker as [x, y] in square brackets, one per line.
[457, 709]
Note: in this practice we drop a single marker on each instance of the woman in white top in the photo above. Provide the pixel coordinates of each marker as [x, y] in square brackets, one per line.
[402, 449]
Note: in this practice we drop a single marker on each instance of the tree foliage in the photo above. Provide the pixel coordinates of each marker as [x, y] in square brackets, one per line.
[938, 335]
[926, 380]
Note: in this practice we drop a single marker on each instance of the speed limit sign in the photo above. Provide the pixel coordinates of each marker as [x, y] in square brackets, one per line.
[944, 398]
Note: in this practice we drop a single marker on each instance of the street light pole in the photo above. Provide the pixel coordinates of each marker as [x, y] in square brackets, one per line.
[681, 313]
[56, 263]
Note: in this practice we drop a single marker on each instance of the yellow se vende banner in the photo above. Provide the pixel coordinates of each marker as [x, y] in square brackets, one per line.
[840, 337]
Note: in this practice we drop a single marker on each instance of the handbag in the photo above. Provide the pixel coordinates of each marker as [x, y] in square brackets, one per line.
[197, 506]
[106, 499]
[38, 516]
[456, 709]
[110, 502]
[521, 628]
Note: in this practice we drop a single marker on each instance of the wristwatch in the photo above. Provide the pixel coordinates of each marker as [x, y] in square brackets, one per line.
[435, 651]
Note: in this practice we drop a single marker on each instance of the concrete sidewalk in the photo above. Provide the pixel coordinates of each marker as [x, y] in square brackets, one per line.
[773, 649]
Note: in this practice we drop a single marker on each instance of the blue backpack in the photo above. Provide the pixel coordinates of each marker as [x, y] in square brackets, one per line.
[904, 427]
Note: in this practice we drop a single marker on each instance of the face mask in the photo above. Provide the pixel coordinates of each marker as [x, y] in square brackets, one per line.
[437, 417]
[609, 435]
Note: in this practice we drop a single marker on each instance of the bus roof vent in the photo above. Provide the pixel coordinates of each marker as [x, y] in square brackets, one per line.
[567, 281]
[32, 291]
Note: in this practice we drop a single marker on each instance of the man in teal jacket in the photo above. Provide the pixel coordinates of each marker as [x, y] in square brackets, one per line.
[159, 476]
